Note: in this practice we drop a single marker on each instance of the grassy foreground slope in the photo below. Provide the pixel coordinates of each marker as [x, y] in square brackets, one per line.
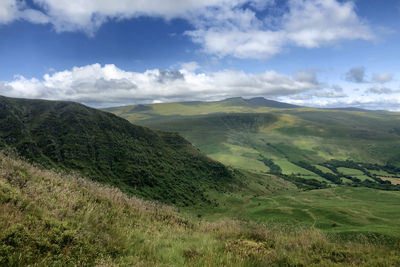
[48, 219]
[157, 165]
[256, 135]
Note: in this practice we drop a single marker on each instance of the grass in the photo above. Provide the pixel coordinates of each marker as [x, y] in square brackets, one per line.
[341, 210]
[240, 157]
[240, 161]
[290, 168]
[51, 219]
[349, 171]
[324, 169]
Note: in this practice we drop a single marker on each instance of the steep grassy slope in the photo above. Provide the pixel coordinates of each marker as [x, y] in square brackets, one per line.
[48, 219]
[255, 135]
[106, 148]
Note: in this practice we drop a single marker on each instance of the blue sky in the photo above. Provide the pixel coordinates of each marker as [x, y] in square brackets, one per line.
[321, 53]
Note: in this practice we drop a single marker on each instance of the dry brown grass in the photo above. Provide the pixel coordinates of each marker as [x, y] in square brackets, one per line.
[395, 181]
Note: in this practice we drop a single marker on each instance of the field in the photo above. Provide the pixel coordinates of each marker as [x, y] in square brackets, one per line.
[395, 181]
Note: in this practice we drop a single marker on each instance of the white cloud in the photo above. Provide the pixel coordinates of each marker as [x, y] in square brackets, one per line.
[382, 77]
[319, 22]
[240, 44]
[307, 23]
[222, 27]
[108, 85]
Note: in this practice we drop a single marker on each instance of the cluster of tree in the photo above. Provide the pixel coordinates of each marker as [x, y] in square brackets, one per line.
[336, 176]
[364, 167]
[273, 168]
[307, 184]
[390, 168]
[386, 185]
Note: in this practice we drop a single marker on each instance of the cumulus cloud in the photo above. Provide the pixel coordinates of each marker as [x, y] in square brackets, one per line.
[238, 28]
[382, 77]
[356, 75]
[109, 85]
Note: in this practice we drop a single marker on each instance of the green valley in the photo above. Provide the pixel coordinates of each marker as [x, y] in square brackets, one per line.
[308, 143]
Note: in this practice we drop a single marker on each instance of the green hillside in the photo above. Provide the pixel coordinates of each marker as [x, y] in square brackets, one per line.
[258, 135]
[48, 219]
[108, 149]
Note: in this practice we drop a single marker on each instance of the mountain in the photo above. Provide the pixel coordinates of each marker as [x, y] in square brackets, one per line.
[109, 149]
[317, 146]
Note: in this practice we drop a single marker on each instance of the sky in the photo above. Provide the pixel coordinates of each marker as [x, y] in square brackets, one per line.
[319, 53]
